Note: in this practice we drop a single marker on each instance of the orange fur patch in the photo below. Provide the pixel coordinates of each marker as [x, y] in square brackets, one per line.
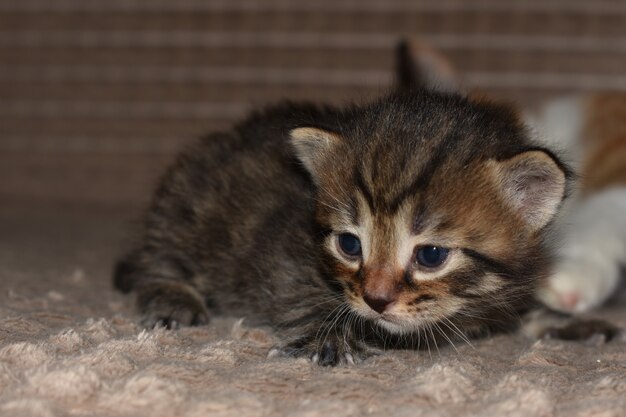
[604, 142]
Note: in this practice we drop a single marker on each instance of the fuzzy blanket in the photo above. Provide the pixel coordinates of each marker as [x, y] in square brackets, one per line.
[70, 346]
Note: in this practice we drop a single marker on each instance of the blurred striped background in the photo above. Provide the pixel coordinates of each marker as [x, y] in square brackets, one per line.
[97, 95]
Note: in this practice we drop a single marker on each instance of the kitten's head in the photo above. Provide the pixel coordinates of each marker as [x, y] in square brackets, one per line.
[435, 208]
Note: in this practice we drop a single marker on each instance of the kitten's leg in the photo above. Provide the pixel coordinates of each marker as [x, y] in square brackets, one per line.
[170, 303]
[543, 324]
[164, 289]
[336, 349]
[592, 331]
[334, 341]
[588, 268]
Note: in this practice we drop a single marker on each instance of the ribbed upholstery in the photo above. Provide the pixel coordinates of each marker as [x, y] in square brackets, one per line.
[96, 95]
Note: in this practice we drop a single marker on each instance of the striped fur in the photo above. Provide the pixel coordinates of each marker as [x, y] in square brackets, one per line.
[246, 223]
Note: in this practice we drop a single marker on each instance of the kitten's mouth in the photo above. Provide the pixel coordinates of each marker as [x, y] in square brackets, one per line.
[390, 323]
[389, 318]
[385, 317]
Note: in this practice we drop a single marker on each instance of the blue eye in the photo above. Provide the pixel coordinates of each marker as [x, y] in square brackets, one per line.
[431, 256]
[349, 244]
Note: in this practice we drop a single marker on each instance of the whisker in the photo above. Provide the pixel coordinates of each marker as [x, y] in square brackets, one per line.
[430, 329]
[445, 336]
[458, 331]
[428, 345]
[328, 316]
[333, 325]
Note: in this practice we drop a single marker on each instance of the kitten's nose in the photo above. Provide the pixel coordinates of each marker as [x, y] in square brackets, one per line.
[378, 303]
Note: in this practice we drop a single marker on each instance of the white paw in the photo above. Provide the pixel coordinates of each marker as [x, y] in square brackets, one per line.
[579, 286]
[591, 249]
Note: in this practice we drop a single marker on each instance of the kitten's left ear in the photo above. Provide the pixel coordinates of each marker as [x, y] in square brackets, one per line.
[312, 147]
[533, 183]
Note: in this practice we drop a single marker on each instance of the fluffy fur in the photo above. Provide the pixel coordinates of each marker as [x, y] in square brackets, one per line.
[247, 223]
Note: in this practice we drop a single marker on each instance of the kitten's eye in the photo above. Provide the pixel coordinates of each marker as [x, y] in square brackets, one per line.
[431, 256]
[349, 244]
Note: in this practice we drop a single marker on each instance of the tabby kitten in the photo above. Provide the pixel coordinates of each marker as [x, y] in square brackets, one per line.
[410, 221]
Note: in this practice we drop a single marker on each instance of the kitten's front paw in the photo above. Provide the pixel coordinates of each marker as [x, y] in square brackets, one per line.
[594, 332]
[170, 305]
[331, 352]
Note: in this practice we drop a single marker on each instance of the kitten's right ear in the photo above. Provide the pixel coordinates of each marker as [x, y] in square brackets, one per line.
[418, 66]
[533, 183]
[312, 146]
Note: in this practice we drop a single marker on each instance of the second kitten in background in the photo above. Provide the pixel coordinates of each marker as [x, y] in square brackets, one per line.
[591, 229]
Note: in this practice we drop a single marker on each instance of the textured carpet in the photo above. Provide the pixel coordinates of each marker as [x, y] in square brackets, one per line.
[69, 345]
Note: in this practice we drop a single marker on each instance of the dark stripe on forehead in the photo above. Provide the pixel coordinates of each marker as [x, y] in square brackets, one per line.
[364, 189]
[444, 148]
[353, 210]
[419, 220]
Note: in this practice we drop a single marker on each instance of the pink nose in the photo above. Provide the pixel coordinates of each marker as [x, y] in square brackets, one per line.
[378, 304]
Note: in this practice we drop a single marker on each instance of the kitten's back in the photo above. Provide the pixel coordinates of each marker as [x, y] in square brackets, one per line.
[604, 141]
